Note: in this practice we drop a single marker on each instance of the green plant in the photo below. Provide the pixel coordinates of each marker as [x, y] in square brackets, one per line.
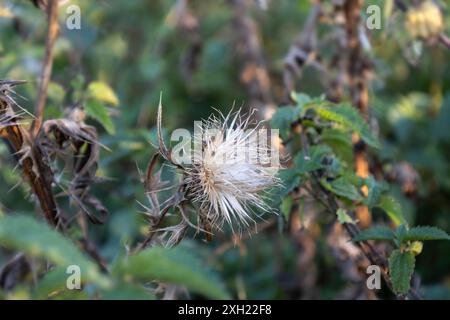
[322, 168]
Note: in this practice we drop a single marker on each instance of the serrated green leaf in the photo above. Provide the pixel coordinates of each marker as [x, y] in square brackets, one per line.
[342, 187]
[304, 164]
[102, 92]
[401, 268]
[38, 240]
[290, 180]
[423, 233]
[392, 208]
[283, 118]
[376, 189]
[286, 206]
[96, 110]
[341, 143]
[400, 234]
[348, 117]
[375, 233]
[174, 265]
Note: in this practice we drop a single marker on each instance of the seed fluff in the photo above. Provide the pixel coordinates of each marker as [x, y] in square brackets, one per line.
[232, 170]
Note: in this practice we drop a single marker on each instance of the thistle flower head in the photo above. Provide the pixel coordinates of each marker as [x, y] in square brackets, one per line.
[232, 170]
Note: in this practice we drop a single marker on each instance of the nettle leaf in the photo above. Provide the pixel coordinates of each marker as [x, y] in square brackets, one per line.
[102, 92]
[401, 268]
[97, 110]
[174, 265]
[341, 143]
[375, 233]
[286, 206]
[376, 189]
[283, 118]
[300, 98]
[37, 239]
[400, 234]
[304, 164]
[342, 187]
[392, 208]
[423, 233]
[290, 180]
[350, 119]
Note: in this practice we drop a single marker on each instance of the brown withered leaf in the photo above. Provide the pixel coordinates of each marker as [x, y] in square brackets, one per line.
[77, 144]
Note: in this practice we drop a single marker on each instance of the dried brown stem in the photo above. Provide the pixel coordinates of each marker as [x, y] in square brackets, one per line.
[36, 171]
[52, 34]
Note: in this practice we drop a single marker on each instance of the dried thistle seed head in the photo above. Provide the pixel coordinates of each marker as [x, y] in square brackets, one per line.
[232, 171]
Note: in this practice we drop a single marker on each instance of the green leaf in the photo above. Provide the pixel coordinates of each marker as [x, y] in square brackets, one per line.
[56, 92]
[286, 206]
[128, 291]
[375, 233]
[102, 92]
[400, 234]
[341, 143]
[175, 265]
[53, 285]
[300, 98]
[39, 240]
[283, 118]
[376, 189]
[348, 117]
[96, 110]
[304, 164]
[290, 180]
[342, 187]
[392, 208]
[425, 233]
[401, 268]
[344, 217]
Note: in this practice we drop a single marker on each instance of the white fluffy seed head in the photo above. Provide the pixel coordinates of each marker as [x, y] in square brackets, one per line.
[232, 170]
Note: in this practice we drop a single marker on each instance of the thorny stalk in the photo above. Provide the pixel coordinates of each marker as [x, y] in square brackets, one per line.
[36, 171]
